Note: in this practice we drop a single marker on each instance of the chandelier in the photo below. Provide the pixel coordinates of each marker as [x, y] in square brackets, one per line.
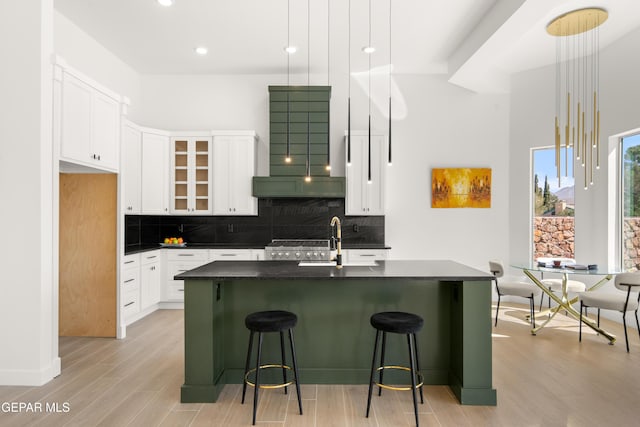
[577, 119]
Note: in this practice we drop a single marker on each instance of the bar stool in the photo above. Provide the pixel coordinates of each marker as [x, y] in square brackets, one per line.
[270, 321]
[398, 323]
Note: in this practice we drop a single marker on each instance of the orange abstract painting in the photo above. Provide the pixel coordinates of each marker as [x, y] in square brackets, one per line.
[461, 188]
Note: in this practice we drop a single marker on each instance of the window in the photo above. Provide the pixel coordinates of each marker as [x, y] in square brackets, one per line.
[630, 180]
[553, 205]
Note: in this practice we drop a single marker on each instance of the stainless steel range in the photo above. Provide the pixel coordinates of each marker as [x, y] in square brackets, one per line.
[300, 250]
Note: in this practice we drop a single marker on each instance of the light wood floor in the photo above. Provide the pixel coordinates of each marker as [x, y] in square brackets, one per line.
[544, 380]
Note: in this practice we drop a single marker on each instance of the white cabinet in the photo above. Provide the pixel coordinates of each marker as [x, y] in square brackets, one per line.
[179, 261]
[234, 166]
[130, 170]
[364, 197]
[89, 122]
[231, 255]
[150, 279]
[364, 255]
[154, 177]
[191, 175]
[130, 287]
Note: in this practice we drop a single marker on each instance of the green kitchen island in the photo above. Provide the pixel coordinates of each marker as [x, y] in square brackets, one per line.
[334, 339]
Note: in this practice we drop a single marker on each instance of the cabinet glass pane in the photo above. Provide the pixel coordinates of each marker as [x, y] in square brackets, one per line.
[202, 146]
[181, 146]
[181, 160]
[202, 204]
[181, 204]
[202, 160]
[202, 190]
[181, 175]
[201, 175]
[181, 190]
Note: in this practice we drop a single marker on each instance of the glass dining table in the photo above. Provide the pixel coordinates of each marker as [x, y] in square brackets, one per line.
[563, 301]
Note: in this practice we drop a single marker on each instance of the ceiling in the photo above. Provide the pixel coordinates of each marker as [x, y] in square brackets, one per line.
[477, 43]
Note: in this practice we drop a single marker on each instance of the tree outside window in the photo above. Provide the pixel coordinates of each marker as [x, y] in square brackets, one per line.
[553, 205]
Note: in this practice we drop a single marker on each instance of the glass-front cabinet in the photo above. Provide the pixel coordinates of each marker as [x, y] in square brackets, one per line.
[191, 175]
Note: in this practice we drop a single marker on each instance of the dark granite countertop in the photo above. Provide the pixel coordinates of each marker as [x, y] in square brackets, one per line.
[134, 249]
[442, 270]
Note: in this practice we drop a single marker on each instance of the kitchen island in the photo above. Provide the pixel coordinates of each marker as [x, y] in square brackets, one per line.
[334, 339]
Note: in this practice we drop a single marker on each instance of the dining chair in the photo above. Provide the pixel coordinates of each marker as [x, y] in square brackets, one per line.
[629, 283]
[513, 288]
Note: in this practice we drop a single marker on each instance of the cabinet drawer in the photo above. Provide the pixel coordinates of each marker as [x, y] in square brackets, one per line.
[130, 280]
[230, 254]
[188, 255]
[175, 290]
[131, 261]
[367, 255]
[130, 303]
[149, 257]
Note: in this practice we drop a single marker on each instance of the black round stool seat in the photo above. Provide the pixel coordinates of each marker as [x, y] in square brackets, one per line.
[397, 322]
[270, 321]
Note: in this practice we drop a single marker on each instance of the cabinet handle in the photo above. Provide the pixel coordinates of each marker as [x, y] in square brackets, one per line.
[152, 256]
[185, 254]
[180, 290]
[129, 262]
[153, 267]
[364, 255]
[166, 209]
[98, 156]
[228, 254]
[129, 303]
[129, 280]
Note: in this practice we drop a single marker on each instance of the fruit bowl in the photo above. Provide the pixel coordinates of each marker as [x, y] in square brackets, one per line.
[173, 242]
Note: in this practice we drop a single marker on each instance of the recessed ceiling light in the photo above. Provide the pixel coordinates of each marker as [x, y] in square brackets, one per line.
[165, 3]
[368, 49]
[201, 50]
[291, 49]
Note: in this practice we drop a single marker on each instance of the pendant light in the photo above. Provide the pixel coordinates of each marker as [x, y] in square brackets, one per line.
[328, 166]
[578, 76]
[289, 51]
[308, 175]
[369, 142]
[389, 160]
[349, 98]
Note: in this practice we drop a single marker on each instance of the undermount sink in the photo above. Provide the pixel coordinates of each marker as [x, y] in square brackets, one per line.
[333, 264]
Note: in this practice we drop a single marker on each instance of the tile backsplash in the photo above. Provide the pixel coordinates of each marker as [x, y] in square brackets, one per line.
[277, 219]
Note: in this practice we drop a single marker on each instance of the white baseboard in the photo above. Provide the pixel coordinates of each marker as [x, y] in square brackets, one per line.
[171, 305]
[31, 377]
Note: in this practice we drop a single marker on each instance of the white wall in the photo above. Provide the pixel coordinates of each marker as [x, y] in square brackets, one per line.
[532, 115]
[444, 126]
[27, 296]
[88, 56]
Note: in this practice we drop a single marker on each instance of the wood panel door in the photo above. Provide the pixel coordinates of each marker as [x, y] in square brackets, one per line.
[88, 255]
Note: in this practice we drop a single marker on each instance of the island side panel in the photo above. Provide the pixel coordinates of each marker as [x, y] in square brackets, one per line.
[204, 345]
[334, 337]
[471, 348]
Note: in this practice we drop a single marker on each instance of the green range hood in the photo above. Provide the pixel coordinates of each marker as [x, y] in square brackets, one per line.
[302, 114]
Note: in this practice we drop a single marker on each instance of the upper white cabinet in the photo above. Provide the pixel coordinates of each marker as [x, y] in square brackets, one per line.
[364, 197]
[130, 168]
[88, 120]
[155, 172]
[191, 175]
[233, 169]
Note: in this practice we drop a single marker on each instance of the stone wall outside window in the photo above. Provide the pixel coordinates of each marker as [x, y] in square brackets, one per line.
[553, 236]
[631, 252]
